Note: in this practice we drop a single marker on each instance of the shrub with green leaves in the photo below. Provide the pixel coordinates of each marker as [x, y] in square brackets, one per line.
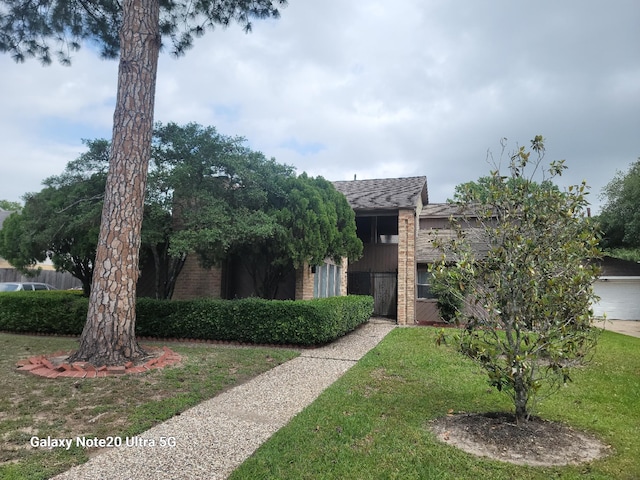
[252, 320]
[527, 316]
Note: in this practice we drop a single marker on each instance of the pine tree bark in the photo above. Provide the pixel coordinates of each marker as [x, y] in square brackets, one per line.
[108, 337]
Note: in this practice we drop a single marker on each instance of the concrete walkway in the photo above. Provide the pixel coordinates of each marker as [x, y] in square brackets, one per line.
[626, 327]
[211, 439]
[216, 436]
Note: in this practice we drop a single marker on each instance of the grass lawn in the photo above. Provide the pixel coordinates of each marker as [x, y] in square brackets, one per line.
[373, 423]
[125, 406]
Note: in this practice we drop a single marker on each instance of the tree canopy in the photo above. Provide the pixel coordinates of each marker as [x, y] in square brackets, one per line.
[208, 195]
[59, 27]
[10, 206]
[620, 215]
[134, 29]
[61, 221]
[231, 202]
[527, 314]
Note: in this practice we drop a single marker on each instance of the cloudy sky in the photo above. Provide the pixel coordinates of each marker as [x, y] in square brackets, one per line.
[368, 88]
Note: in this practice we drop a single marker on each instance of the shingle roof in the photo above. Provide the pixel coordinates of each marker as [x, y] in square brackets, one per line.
[384, 194]
[439, 210]
[615, 267]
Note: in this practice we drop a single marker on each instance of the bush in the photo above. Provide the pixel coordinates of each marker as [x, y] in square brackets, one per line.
[309, 322]
[49, 312]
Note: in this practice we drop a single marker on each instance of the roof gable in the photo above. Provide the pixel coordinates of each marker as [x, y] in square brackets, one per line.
[384, 194]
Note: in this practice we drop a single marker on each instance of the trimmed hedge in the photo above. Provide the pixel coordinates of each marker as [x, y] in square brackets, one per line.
[252, 320]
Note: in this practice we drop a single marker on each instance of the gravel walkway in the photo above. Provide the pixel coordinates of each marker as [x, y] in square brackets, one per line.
[216, 436]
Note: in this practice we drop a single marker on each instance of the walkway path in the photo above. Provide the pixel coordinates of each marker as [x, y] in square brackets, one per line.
[626, 327]
[214, 437]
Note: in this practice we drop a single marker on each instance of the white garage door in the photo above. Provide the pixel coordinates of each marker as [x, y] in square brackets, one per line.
[619, 298]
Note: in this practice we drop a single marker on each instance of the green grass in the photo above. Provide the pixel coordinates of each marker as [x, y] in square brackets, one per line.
[120, 405]
[631, 254]
[374, 422]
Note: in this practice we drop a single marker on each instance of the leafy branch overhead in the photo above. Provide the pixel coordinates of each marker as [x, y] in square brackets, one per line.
[527, 293]
[34, 30]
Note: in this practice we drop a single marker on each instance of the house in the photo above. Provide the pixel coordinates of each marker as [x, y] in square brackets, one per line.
[619, 289]
[387, 218]
[394, 221]
[47, 272]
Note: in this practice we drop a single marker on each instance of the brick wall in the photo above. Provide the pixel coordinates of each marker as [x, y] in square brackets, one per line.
[197, 282]
[406, 267]
[304, 283]
[344, 270]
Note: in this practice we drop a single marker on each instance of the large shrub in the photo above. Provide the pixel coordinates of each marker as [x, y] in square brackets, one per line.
[253, 320]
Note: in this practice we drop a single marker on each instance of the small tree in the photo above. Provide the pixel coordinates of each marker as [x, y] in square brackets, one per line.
[528, 317]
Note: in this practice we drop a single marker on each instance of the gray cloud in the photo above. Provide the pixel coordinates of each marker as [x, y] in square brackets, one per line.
[375, 89]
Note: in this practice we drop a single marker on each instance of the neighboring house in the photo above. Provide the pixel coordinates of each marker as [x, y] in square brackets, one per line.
[4, 214]
[47, 274]
[435, 224]
[619, 290]
[387, 212]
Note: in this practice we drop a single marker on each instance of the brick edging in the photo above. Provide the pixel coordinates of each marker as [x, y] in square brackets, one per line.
[42, 366]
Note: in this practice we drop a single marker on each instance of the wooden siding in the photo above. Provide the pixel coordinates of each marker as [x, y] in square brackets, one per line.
[381, 257]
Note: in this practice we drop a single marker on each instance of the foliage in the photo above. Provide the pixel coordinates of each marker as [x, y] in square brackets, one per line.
[312, 221]
[528, 316]
[631, 254]
[449, 287]
[480, 190]
[10, 206]
[134, 30]
[208, 194]
[252, 320]
[51, 312]
[61, 221]
[620, 216]
[27, 32]
[234, 203]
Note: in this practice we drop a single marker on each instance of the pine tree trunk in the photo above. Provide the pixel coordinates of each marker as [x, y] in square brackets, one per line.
[108, 337]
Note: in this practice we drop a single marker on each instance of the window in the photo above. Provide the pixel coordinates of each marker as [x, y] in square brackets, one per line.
[327, 281]
[364, 228]
[381, 229]
[424, 283]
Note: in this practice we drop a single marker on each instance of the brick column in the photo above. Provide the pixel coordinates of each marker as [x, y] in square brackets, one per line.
[304, 283]
[406, 267]
[344, 270]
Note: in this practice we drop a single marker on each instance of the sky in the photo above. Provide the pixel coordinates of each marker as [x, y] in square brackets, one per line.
[371, 89]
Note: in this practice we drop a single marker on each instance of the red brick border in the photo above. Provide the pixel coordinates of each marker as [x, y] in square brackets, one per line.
[42, 366]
